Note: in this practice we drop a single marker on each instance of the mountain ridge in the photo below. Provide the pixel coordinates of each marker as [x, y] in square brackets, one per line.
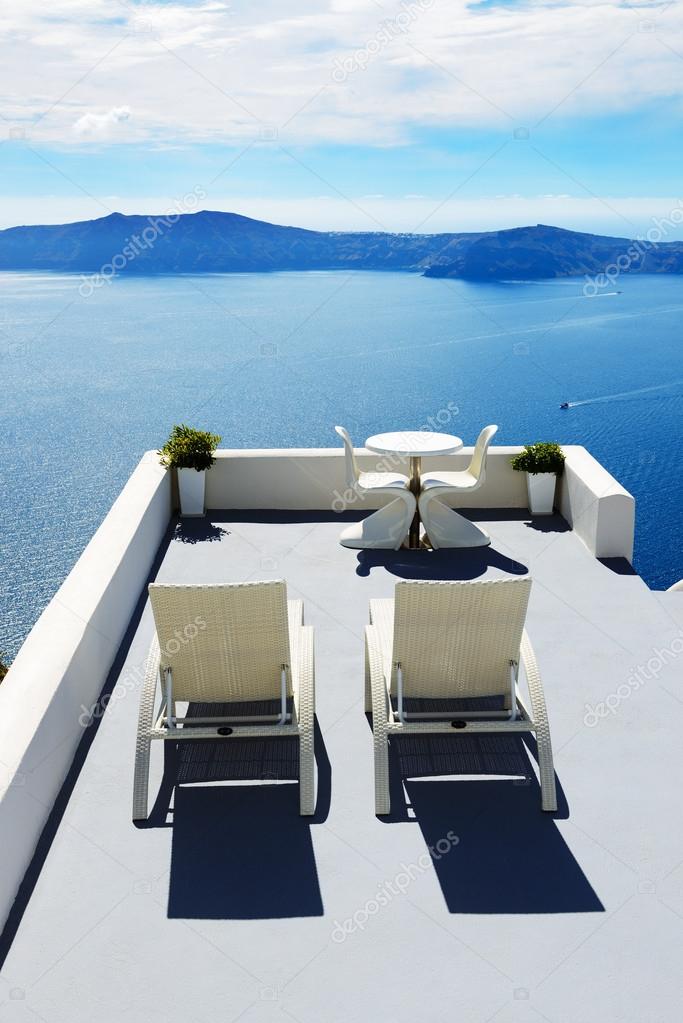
[215, 242]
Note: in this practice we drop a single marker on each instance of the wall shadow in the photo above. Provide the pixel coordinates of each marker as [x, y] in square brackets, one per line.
[278, 516]
[620, 566]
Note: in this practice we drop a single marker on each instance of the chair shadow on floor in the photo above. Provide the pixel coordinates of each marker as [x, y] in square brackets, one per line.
[462, 564]
[509, 856]
[240, 851]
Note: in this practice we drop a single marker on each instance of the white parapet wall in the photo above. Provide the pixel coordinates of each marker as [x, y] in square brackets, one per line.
[64, 664]
[594, 504]
[599, 510]
[313, 479]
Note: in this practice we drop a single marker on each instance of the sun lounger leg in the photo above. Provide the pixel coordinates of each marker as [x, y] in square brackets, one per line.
[382, 796]
[380, 710]
[306, 719]
[546, 770]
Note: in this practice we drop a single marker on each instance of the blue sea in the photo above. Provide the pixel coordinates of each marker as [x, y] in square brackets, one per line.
[276, 360]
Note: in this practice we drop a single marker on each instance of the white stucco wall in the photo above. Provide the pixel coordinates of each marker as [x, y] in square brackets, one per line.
[65, 662]
[599, 510]
[312, 479]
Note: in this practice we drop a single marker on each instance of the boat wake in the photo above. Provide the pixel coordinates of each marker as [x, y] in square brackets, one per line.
[622, 394]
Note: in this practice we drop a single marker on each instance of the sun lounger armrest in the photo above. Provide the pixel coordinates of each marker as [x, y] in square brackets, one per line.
[295, 612]
[533, 677]
[149, 687]
[377, 695]
[303, 676]
[145, 721]
[539, 712]
[303, 686]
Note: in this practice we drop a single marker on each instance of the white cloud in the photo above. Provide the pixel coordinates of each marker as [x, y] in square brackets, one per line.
[101, 124]
[330, 71]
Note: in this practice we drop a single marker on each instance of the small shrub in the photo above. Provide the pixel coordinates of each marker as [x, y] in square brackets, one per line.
[188, 448]
[546, 456]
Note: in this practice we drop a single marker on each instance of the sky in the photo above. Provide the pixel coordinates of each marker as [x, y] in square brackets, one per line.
[400, 115]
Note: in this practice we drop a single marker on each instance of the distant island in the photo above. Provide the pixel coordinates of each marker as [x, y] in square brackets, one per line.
[208, 242]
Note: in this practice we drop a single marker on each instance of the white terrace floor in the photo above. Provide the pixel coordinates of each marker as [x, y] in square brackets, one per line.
[228, 906]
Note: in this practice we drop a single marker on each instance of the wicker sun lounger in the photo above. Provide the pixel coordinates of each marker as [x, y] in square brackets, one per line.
[451, 641]
[228, 644]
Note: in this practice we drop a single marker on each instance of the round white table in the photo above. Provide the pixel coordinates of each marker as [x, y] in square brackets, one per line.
[413, 444]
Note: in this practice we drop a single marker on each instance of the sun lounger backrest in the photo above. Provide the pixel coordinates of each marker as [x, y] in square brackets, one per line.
[223, 642]
[456, 639]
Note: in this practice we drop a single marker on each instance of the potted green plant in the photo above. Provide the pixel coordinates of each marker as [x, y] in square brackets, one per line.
[190, 453]
[542, 463]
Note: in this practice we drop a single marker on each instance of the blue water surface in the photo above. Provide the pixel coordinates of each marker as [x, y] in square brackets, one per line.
[275, 360]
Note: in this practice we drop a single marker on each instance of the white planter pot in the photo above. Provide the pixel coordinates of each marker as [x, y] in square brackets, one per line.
[191, 486]
[541, 490]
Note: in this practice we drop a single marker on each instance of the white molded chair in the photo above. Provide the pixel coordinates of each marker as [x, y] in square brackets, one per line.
[450, 641]
[388, 527]
[237, 643]
[445, 527]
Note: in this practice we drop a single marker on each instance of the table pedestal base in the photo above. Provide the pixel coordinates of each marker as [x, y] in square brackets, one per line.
[414, 542]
